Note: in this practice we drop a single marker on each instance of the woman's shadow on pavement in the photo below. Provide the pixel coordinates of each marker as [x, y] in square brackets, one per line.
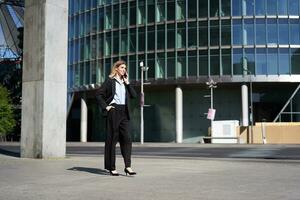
[90, 170]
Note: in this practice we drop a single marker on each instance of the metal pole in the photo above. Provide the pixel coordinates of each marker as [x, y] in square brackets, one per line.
[142, 102]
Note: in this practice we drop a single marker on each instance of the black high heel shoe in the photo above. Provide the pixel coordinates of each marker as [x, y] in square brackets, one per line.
[130, 172]
[113, 173]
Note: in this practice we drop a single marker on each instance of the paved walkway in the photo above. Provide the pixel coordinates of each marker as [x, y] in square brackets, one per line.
[83, 177]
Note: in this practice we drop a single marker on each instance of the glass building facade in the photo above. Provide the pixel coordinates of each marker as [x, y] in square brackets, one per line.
[186, 43]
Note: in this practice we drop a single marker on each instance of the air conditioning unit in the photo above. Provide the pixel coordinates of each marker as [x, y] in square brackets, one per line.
[224, 132]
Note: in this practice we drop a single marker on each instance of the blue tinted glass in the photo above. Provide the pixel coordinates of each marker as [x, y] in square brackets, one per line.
[249, 7]
[272, 61]
[249, 60]
[284, 61]
[283, 31]
[260, 8]
[294, 7]
[237, 61]
[272, 31]
[271, 7]
[294, 31]
[249, 32]
[282, 7]
[295, 61]
[260, 31]
[261, 61]
[236, 7]
[237, 32]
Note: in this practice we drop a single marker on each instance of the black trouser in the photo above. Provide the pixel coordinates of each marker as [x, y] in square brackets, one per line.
[117, 130]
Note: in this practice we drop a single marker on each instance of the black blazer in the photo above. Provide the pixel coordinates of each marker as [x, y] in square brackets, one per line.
[105, 94]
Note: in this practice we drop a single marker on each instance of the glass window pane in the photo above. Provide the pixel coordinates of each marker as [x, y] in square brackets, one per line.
[260, 31]
[283, 31]
[180, 36]
[272, 31]
[192, 37]
[108, 44]
[237, 32]
[192, 8]
[214, 8]
[100, 45]
[124, 15]
[260, 7]
[94, 47]
[151, 65]
[151, 9]
[271, 7]
[214, 33]
[132, 12]
[226, 61]
[236, 7]
[294, 7]
[124, 41]
[87, 22]
[294, 31]
[94, 21]
[295, 61]
[81, 23]
[160, 66]
[100, 19]
[160, 11]
[141, 12]
[132, 67]
[108, 18]
[151, 38]
[249, 62]
[261, 62]
[203, 34]
[282, 7]
[192, 63]
[249, 32]
[203, 63]
[81, 75]
[141, 40]
[225, 8]
[284, 61]
[132, 40]
[272, 61]
[171, 64]
[87, 73]
[181, 64]
[160, 37]
[203, 9]
[249, 7]
[116, 16]
[214, 62]
[237, 61]
[171, 36]
[171, 9]
[116, 42]
[180, 9]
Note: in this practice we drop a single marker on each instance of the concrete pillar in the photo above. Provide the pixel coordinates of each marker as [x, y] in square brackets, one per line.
[83, 121]
[245, 106]
[44, 92]
[179, 121]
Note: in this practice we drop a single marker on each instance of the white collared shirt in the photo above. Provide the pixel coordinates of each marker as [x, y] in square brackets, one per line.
[120, 94]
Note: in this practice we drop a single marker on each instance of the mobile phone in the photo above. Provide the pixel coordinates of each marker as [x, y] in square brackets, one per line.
[125, 75]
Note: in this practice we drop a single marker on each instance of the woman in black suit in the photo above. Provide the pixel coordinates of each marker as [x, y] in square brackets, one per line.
[113, 97]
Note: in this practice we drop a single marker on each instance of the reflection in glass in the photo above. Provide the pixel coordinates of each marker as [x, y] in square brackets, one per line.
[107, 21]
[100, 19]
[203, 33]
[214, 33]
[214, 8]
[294, 31]
[151, 9]
[141, 12]
[203, 63]
[94, 21]
[282, 7]
[171, 64]
[272, 31]
[249, 61]
[180, 36]
[236, 7]
[293, 7]
[295, 61]
[124, 44]
[160, 10]
[271, 7]
[272, 61]
[192, 34]
[171, 36]
[225, 8]
[214, 62]
[116, 16]
[226, 62]
[237, 61]
[180, 9]
[107, 44]
[237, 32]
[160, 36]
[249, 7]
[226, 32]
[261, 62]
[260, 8]
[132, 40]
[260, 31]
[160, 66]
[283, 31]
[284, 61]
[192, 63]
[124, 15]
[248, 32]
[181, 64]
